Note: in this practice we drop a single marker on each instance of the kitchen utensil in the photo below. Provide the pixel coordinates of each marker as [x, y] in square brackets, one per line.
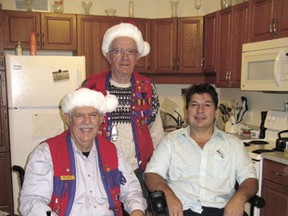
[281, 142]
[225, 114]
[262, 128]
[242, 110]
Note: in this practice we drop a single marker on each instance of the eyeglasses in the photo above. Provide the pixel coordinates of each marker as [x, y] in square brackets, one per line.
[120, 51]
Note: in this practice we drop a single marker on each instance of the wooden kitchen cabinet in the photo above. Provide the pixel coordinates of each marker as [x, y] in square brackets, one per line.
[90, 34]
[4, 140]
[269, 19]
[6, 199]
[177, 45]
[53, 31]
[143, 64]
[210, 42]
[275, 189]
[232, 33]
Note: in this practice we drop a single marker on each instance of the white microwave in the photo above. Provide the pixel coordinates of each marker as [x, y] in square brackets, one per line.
[265, 65]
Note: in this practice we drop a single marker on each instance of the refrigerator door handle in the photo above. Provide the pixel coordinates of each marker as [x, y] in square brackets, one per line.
[81, 74]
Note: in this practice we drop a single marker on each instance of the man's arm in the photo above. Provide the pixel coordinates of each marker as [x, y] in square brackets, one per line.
[131, 193]
[38, 184]
[156, 130]
[155, 182]
[247, 189]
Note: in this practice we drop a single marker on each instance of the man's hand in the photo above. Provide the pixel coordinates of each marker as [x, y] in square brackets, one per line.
[234, 207]
[137, 213]
[155, 182]
[174, 205]
[247, 189]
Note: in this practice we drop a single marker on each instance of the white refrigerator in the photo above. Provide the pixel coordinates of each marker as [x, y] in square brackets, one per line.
[35, 86]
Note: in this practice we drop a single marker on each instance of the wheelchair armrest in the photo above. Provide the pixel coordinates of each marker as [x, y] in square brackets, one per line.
[21, 172]
[257, 201]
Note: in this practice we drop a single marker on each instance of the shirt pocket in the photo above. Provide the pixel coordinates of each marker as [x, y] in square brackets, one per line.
[221, 164]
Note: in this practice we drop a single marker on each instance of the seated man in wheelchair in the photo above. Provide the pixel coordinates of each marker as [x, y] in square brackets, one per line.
[197, 167]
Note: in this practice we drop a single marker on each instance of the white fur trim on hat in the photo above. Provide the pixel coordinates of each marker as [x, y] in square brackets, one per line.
[125, 30]
[87, 97]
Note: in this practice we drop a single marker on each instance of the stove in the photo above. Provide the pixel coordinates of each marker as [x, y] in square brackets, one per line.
[275, 122]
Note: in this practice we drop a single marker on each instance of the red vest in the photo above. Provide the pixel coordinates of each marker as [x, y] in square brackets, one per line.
[140, 108]
[64, 182]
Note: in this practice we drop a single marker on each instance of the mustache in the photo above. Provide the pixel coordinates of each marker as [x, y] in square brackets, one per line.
[89, 126]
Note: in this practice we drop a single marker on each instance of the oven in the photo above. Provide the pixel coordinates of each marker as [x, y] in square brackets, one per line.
[275, 122]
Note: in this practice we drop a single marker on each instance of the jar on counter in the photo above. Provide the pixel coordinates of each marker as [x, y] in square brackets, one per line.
[18, 49]
[131, 9]
[58, 7]
[286, 106]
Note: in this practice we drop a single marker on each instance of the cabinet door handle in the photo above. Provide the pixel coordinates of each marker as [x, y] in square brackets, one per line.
[38, 40]
[42, 39]
[279, 174]
[148, 65]
[228, 78]
[174, 64]
[177, 64]
[270, 27]
[202, 62]
[275, 24]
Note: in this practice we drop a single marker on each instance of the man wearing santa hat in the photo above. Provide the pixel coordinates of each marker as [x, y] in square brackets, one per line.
[79, 172]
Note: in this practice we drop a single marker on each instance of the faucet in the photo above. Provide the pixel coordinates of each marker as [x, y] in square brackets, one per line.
[179, 120]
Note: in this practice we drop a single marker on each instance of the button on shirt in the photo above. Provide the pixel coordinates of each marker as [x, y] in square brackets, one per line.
[201, 177]
[90, 197]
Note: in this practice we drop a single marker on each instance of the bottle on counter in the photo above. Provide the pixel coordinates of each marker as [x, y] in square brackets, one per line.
[18, 49]
[131, 8]
[33, 45]
[286, 106]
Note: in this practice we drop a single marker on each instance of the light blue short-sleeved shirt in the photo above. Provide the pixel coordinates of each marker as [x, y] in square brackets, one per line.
[201, 177]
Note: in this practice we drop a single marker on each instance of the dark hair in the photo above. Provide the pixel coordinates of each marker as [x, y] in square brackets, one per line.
[201, 89]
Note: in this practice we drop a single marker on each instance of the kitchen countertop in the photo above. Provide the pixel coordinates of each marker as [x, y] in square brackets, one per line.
[280, 157]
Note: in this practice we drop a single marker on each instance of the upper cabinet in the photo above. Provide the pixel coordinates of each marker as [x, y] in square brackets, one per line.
[232, 33]
[210, 43]
[225, 31]
[53, 31]
[268, 19]
[2, 61]
[144, 25]
[177, 45]
[90, 34]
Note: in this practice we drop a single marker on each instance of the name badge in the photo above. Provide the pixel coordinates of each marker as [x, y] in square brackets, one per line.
[67, 177]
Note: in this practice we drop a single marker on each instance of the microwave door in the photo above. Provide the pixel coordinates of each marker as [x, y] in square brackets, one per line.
[279, 65]
[258, 70]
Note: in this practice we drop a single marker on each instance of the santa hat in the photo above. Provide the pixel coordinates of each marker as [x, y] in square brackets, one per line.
[87, 97]
[125, 30]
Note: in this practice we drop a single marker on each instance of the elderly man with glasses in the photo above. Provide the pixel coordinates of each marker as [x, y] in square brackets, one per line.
[135, 126]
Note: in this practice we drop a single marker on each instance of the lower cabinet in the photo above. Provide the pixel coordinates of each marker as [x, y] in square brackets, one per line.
[275, 189]
[6, 194]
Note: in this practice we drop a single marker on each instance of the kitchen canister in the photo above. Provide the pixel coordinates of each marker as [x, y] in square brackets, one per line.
[255, 134]
[33, 45]
[225, 3]
[131, 8]
[18, 49]
[231, 128]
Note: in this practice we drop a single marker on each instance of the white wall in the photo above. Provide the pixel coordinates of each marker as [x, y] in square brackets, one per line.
[142, 8]
[257, 102]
